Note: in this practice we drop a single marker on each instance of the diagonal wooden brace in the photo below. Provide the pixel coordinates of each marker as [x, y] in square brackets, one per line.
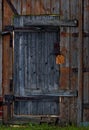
[12, 7]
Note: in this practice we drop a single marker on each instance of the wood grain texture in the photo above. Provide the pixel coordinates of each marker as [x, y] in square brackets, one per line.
[69, 49]
[65, 50]
[80, 63]
[73, 60]
[7, 59]
[0, 48]
[85, 59]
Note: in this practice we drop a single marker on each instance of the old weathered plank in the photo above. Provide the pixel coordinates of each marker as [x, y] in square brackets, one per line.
[65, 23]
[7, 52]
[58, 93]
[86, 63]
[0, 48]
[80, 64]
[73, 60]
[65, 68]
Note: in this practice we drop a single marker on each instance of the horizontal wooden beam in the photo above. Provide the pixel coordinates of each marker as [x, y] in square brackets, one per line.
[60, 93]
[86, 105]
[66, 23]
[36, 116]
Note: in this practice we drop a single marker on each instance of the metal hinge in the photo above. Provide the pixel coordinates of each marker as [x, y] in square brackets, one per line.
[9, 99]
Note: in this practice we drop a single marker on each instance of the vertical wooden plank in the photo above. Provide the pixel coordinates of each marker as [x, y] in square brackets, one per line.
[7, 62]
[23, 9]
[65, 41]
[46, 6]
[86, 52]
[16, 64]
[35, 7]
[80, 64]
[1, 112]
[65, 68]
[28, 62]
[55, 9]
[21, 64]
[0, 48]
[86, 61]
[54, 5]
[28, 7]
[73, 61]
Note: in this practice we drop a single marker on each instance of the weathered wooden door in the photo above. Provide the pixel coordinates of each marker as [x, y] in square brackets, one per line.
[36, 74]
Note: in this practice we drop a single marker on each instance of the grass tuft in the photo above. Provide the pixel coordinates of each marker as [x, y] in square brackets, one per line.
[32, 126]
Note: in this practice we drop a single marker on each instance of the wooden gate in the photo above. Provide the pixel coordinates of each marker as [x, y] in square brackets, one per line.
[35, 69]
[36, 74]
[37, 81]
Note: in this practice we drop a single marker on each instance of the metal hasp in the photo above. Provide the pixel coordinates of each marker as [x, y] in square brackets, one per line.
[55, 23]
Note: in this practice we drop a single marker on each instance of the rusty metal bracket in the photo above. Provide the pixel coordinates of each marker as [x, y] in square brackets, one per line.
[12, 7]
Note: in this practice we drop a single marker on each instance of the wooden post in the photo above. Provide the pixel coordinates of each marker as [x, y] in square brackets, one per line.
[0, 48]
[80, 65]
[7, 57]
[1, 59]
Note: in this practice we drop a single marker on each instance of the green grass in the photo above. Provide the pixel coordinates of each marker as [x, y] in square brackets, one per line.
[41, 127]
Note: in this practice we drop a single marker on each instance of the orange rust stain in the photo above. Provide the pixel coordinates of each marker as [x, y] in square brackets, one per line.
[63, 34]
[65, 69]
[60, 59]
